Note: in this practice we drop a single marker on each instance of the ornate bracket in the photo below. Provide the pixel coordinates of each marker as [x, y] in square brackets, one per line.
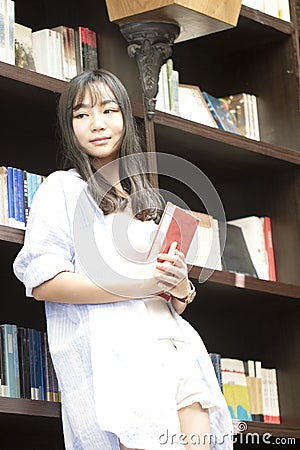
[151, 44]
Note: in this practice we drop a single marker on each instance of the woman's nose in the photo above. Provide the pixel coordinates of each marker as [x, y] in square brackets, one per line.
[98, 122]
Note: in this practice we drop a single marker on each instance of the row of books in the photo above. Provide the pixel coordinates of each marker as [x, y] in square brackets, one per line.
[60, 52]
[250, 390]
[236, 113]
[248, 246]
[276, 8]
[26, 368]
[17, 188]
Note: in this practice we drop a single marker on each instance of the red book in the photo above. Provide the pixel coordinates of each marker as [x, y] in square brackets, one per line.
[269, 248]
[176, 224]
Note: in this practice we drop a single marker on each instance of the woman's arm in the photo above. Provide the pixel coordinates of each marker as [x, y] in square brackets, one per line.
[69, 287]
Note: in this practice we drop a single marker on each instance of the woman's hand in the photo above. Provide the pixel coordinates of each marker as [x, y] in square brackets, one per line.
[172, 273]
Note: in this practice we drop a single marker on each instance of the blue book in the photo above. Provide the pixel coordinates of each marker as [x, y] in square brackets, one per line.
[10, 197]
[222, 116]
[11, 359]
[19, 198]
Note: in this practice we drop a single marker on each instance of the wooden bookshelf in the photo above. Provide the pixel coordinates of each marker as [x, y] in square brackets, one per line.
[259, 320]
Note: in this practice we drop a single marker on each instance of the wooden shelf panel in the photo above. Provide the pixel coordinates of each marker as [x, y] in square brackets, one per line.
[267, 20]
[30, 77]
[36, 408]
[223, 138]
[248, 283]
[11, 234]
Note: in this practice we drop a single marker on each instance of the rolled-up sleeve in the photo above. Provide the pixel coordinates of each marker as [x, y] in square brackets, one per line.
[48, 245]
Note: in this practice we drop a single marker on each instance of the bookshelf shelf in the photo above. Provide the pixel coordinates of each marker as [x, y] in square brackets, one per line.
[266, 20]
[37, 408]
[30, 77]
[246, 283]
[11, 234]
[215, 139]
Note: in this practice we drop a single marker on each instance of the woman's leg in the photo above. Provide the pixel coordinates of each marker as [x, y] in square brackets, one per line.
[122, 447]
[194, 424]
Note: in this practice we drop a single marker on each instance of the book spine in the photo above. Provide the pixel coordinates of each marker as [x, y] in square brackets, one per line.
[10, 47]
[40, 370]
[78, 49]
[72, 53]
[270, 248]
[16, 361]
[275, 396]
[213, 111]
[4, 387]
[25, 192]
[20, 198]
[9, 359]
[2, 30]
[10, 197]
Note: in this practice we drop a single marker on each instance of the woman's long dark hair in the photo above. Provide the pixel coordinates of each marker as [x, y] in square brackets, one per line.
[146, 202]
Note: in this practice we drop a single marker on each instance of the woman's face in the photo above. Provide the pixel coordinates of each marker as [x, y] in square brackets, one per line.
[99, 127]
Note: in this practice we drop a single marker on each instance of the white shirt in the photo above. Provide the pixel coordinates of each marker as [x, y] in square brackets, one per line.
[104, 355]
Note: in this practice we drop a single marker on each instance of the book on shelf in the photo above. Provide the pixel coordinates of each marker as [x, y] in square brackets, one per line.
[243, 107]
[176, 225]
[216, 362]
[192, 105]
[224, 119]
[250, 390]
[167, 99]
[236, 256]
[23, 47]
[11, 359]
[7, 31]
[276, 8]
[235, 388]
[17, 188]
[26, 368]
[43, 51]
[254, 384]
[257, 232]
[270, 398]
[205, 249]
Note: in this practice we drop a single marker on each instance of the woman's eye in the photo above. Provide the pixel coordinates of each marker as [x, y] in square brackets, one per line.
[80, 116]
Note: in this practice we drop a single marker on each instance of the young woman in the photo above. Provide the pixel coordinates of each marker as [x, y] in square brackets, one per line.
[132, 372]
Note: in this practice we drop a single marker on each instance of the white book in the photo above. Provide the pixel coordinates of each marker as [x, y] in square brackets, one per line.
[192, 105]
[2, 30]
[205, 247]
[10, 48]
[284, 10]
[66, 70]
[255, 4]
[274, 395]
[255, 119]
[253, 232]
[271, 7]
[23, 47]
[7, 39]
[43, 51]
[266, 394]
[57, 55]
[162, 99]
